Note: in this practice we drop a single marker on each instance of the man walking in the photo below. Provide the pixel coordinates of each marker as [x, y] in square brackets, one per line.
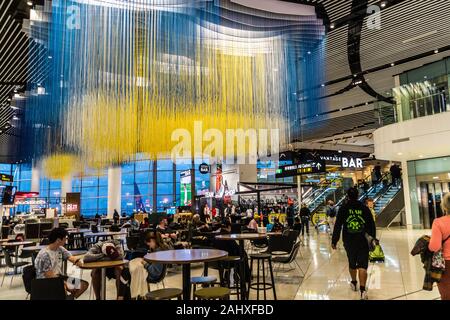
[355, 220]
[331, 215]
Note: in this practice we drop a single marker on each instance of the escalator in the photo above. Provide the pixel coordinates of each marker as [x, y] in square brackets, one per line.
[389, 205]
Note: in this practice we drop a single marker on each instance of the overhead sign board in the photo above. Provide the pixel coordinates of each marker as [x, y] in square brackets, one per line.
[6, 177]
[301, 169]
[204, 168]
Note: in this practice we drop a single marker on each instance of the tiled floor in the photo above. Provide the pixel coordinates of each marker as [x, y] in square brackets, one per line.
[326, 275]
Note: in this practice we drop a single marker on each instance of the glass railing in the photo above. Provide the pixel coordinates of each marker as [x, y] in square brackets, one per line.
[414, 101]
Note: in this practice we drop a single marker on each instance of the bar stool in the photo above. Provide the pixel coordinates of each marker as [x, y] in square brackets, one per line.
[165, 294]
[261, 284]
[212, 293]
[208, 281]
[237, 264]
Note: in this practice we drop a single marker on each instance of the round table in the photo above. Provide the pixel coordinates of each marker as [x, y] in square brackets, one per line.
[16, 245]
[186, 257]
[103, 265]
[241, 237]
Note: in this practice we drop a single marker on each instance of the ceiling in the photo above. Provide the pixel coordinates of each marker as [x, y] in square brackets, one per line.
[409, 33]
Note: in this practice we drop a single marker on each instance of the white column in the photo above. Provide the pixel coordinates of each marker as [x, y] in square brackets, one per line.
[66, 185]
[35, 179]
[114, 190]
[406, 193]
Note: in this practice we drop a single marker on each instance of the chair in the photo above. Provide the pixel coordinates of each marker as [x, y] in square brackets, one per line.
[261, 284]
[290, 259]
[160, 279]
[25, 254]
[203, 281]
[76, 224]
[11, 265]
[48, 289]
[212, 293]
[165, 294]
[29, 273]
[5, 232]
[32, 230]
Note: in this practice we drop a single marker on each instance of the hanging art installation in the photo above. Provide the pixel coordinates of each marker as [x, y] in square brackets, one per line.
[124, 75]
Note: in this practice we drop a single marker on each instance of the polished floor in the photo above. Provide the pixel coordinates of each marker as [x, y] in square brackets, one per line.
[326, 277]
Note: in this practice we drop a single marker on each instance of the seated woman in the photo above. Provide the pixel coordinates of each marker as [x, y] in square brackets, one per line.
[142, 271]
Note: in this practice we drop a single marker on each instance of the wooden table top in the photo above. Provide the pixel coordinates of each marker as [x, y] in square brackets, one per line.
[78, 230]
[16, 243]
[241, 236]
[40, 247]
[185, 256]
[104, 234]
[103, 264]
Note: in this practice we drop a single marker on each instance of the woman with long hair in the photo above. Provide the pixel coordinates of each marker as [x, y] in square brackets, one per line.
[142, 271]
[440, 239]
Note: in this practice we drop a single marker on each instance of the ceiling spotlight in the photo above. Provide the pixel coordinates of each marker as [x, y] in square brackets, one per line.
[15, 118]
[309, 52]
[332, 26]
[392, 64]
[323, 85]
[50, 57]
[400, 154]
[30, 3]
[383, 4]
[9, 99]
[436, 51]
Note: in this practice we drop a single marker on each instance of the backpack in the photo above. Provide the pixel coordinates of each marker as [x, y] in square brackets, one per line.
[331, 212]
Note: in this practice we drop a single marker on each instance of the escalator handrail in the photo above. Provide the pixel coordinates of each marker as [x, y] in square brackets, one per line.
[390, 200]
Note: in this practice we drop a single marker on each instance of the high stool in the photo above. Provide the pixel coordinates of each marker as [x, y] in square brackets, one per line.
[164, 294]
[203, 281]
[212, 293]
[261, 284]
[236, 263]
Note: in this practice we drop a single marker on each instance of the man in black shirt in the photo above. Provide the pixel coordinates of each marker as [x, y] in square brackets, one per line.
[355, 220]
[305, 215]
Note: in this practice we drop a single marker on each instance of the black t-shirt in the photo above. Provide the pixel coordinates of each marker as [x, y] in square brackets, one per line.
[304, 212]
[355, 220]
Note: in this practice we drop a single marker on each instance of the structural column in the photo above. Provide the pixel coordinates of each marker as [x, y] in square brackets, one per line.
[114, 190]
[35, 179]
[406, 194]
[66, 185]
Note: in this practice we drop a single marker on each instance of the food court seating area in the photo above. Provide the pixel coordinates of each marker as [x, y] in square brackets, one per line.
[221, 277]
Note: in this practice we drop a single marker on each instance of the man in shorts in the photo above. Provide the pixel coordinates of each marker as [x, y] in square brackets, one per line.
[49, 260]
[355, 220]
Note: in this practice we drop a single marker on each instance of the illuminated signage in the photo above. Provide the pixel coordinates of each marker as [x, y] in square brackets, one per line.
[203, 168]
[6, 177]
[351, 162]
[301, 169]
[33, 202]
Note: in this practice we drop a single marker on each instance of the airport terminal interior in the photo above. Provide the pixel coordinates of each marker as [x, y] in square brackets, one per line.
[224, 150]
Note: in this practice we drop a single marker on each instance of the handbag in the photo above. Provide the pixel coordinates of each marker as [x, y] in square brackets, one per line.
[438, 260]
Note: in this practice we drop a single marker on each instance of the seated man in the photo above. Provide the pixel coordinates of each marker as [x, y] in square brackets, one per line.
[199, 225]
[169, 237]
[49, 260]
[103, 251]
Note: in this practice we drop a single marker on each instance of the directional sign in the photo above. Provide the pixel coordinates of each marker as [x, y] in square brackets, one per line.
[6, 177]
[301, 169]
